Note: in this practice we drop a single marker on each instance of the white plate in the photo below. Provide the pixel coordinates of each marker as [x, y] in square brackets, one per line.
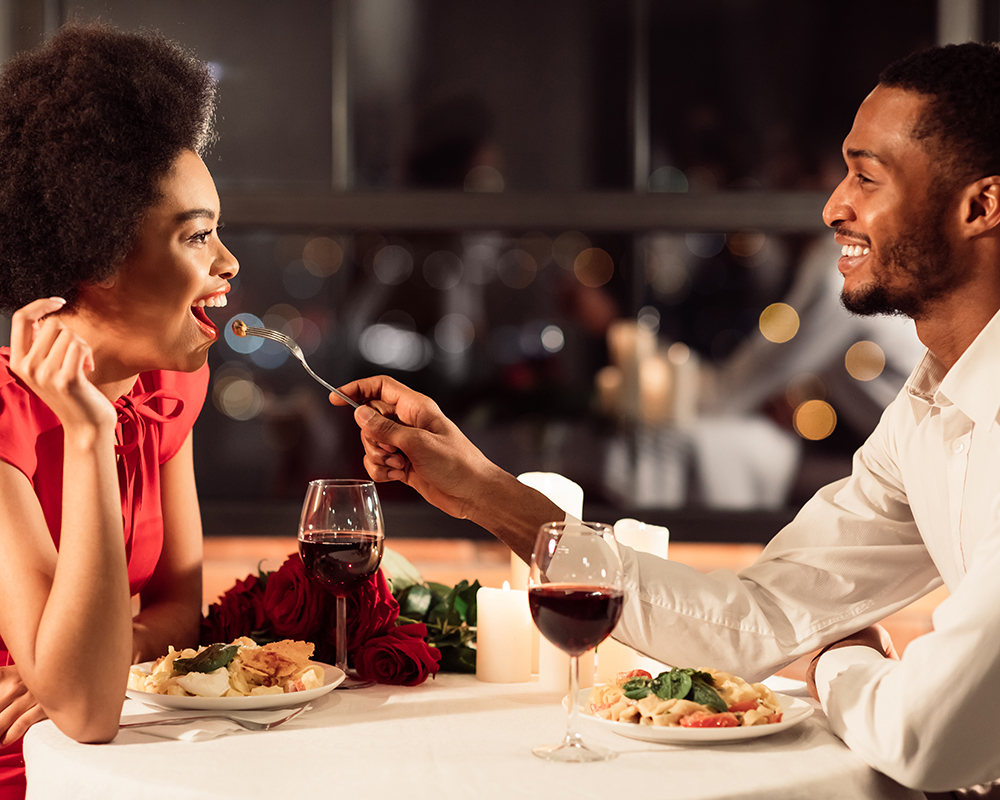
[332, 678]
[793, 711]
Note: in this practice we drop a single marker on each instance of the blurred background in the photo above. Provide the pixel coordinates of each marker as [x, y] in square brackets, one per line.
[589, 229]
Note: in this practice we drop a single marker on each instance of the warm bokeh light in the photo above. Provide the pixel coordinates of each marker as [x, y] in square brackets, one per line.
[553, 338]
[678, 353]
[454, 333]
[443, 270]
[237, 396]
[483, 178]
[567, 247]
[323, 256]
[517, 269]
[593, 267]
[745, 244]
[864, 361]
[392, 264]
[395, 348]
[814, 420]
[779, 322]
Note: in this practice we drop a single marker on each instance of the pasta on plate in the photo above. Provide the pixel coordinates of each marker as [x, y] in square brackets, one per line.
[689, 698]
[240, 669]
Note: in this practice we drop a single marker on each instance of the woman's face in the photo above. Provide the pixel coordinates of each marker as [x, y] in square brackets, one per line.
[177, 268]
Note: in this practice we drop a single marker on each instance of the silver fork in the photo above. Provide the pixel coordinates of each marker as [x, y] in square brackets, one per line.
[243, 723]
[265, 333]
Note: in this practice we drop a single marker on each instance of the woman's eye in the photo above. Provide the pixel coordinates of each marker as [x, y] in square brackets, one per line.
[201, 237]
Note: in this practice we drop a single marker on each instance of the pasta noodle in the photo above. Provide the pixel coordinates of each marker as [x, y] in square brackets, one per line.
[276, 668]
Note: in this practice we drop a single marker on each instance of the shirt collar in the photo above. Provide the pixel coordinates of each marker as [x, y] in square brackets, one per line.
[972, 384]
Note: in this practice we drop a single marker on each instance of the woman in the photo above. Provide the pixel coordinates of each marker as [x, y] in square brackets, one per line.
[109, 251]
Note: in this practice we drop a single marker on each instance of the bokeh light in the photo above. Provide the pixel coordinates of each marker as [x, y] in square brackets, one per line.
[814, 420]
[649, 318]
[454, 333]
[678, 353]
[593, 267]
[393, 264]
[567, 247]
[322, 256]
[779, 322]
[517, 269]
[480, 263]
[235, 394]
[442, 270]
[394, 348]
[667, 179]
[483, 178]
[553, 339]
[746, 243]
[705, 245]
[864, 361]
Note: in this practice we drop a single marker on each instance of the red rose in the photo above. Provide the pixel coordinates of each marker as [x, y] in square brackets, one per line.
[293, 604]
[371, 610]
[239, 612]
[401, 656]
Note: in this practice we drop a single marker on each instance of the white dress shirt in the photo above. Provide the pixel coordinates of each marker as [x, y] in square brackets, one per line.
[921, 507]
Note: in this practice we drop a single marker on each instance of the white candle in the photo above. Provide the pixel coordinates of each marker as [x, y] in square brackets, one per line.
[503, 635]
[553, 668]
[642, 537]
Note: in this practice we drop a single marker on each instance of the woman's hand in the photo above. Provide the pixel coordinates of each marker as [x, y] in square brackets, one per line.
[18, 709]
[53, 361]
[407, 438]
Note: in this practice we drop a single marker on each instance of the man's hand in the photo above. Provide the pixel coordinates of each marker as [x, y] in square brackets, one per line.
[874, 636]
[407, 438]
[18, 709]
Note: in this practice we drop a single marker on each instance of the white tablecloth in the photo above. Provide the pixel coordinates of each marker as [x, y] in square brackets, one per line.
[453, 737]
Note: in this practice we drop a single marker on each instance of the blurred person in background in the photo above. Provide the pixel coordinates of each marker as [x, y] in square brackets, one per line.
[109, 254]
[918, 220]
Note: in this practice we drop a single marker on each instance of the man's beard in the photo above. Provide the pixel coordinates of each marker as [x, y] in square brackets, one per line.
[913, 271]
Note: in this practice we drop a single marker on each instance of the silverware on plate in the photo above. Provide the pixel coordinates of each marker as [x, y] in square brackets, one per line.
[240, 328]
[249, 725]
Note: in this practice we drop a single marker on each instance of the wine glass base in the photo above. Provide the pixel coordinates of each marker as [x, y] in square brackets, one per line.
[574, 753]
[352, 681]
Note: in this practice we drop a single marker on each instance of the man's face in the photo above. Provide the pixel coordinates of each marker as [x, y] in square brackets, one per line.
[890, 213]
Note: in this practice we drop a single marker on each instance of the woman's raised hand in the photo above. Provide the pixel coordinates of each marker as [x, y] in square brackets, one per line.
[53, 361]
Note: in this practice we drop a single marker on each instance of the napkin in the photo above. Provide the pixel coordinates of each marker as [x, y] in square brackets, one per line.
[202, 729]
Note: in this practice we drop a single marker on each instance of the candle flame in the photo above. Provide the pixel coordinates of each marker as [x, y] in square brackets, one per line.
[506, 586]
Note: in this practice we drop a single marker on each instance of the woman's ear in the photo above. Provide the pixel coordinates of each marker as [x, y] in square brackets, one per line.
[109, 281]
[981, 205]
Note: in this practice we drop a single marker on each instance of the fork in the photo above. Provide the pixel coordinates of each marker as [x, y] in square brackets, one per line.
[265, 333]
[243, 723]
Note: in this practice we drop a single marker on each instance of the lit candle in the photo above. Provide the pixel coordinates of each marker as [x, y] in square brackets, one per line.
[553, 668]
[503, 635]
[560, 490]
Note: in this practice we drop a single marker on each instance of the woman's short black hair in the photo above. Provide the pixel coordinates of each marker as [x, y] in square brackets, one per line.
[90, 122]
[961, 124]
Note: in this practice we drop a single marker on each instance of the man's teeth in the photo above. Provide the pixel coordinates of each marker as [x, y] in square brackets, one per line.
[853, 250]
[212, 302]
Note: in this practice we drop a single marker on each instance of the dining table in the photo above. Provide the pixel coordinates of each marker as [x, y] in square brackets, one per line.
[451, 737]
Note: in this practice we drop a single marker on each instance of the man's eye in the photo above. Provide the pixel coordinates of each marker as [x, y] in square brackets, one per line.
[861, 178]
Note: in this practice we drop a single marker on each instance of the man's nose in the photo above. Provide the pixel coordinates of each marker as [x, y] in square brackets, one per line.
[837, 209]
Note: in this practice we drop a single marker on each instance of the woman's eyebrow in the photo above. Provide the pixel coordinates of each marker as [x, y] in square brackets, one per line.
[195, 213]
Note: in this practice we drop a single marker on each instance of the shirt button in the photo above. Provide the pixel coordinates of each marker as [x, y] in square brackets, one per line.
[958, 447]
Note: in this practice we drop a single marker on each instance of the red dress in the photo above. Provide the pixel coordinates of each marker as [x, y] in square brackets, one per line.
[154, 419]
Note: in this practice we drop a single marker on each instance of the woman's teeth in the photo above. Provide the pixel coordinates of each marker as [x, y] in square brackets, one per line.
[212, 302]
[853, 250]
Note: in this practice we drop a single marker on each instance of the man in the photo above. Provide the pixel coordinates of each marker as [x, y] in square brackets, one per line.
[918, 218]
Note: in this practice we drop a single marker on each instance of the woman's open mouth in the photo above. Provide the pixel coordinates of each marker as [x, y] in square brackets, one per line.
[198, 312]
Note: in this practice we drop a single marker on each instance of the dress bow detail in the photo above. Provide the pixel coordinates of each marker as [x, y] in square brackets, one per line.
[133, 413]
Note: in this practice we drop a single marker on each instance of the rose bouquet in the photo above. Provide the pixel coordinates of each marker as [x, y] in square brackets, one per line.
[435, 631]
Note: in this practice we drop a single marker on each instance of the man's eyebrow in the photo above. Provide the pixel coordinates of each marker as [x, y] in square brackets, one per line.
[869, 154]
[195, 213]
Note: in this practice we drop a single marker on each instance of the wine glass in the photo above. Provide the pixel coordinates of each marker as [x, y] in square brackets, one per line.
[341, 537]
[575, 594]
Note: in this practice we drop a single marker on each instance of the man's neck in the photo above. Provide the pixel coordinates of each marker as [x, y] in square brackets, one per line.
[951, 326]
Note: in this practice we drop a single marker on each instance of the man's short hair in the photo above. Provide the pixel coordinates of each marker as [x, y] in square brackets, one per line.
[961, 124]
[90, 123]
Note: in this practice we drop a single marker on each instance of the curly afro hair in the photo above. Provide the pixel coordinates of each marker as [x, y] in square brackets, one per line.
[90, 123]
[961, 125]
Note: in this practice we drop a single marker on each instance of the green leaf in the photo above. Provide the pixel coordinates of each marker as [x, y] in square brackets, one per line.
[673, 684]
[399, 571]
[704, 693]
[469, 595]
[637, 688]
[415, 601]
[208, 660]
[458, 659]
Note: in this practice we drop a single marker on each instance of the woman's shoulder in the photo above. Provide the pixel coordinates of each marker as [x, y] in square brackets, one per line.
[17, 402]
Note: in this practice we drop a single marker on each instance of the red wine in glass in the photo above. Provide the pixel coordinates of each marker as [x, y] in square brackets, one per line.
[340, 561]
[575, 618]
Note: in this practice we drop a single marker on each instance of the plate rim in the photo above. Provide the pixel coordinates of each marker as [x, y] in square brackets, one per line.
[695, 736]
[332, 677]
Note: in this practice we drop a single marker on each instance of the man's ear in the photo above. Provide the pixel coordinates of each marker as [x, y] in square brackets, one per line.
[981, 206]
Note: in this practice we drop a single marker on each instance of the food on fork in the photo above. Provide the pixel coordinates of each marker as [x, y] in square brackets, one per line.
[240, 669]
[687, 698]
[240, 328]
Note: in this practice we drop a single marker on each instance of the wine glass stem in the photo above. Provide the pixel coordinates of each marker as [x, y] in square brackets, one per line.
[342, 633]
[573, 738]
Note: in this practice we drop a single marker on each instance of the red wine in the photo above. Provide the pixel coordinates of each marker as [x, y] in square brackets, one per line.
[340, 561]
[575, 618]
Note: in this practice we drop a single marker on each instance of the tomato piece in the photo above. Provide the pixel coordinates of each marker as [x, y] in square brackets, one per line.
[621, 677]
[774, 718]
[595, 707]
[746, 705]
[699, 719]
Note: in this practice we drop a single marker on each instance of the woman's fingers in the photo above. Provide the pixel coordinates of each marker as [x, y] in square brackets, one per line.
[24, 322]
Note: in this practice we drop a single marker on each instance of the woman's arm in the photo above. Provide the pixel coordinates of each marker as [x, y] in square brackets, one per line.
[171, 601]
[66, 617]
